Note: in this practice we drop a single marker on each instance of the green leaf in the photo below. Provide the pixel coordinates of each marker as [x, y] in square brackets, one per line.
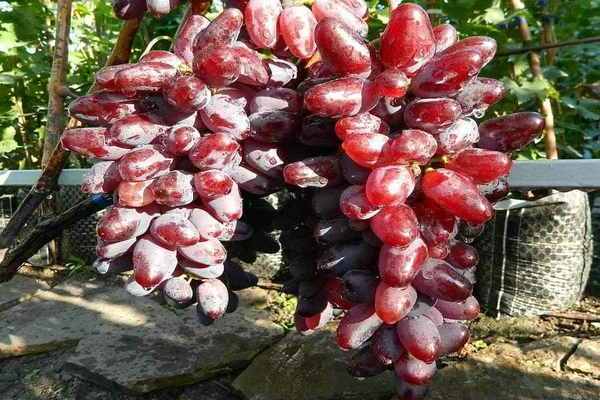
[6, 146]
[493, 15]
[9, 133]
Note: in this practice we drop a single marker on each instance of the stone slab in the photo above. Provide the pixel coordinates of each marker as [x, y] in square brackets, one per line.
[508, 372]
[308, 368]
[586, 358]
[174, 349]
[134, 343]
[61, 316]
[18, 289]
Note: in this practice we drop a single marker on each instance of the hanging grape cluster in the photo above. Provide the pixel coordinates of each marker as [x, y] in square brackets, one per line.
[383, 134]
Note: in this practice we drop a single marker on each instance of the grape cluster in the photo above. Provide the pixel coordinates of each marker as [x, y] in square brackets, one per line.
[414, 175]
[176, 143]
[383, 134]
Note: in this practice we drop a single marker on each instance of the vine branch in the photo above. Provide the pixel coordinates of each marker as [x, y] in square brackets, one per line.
[523, 50]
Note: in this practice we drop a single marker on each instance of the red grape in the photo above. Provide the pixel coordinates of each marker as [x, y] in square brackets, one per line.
[342, 48]
[483, 166]
[467, 309]
[360, 124]
[114, 249]
[479, 94]
[313, 172]
[399, 265]
[365, 149]
[353, 173]
[102, 108]
[410, 146]
[391, 83]
[354, 203]
[215, 151]
[458, 136]
[413, 370]
[357, 326]
[264, 158]
[510, 132]
[447, 74]
[297, 26]
[273, 126]
[445, 36]
[276, 99]
[135, 194]
[393, 303]
[407, 44]
[187, 93]
[174, 230]
[143, 163]
[135, 130]
[103, 177]
[174, 189]
[180, 139]
[261, 18]
[336, 9]
[395, 225]
[420, 337]
[152, 263]
[389, 185]
[162, 56]
[453, 337]
[359, 286]
[218, 67]
[222, 31]
[439, 280]
[145, 76]
[183, 46]
[252, 71]
[207, 252]
[208, 227]
[213, 298]
[431, 114]
[485, 46]
[456, 194]
[341, 97]
[213, 183]
[334, 290]
[129, 9]
[226, 208]
[386, 346]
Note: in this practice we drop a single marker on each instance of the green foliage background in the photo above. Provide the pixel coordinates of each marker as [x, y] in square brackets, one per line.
[572, 81]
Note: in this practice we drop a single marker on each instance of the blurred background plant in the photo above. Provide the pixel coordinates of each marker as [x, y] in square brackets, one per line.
[571, 75]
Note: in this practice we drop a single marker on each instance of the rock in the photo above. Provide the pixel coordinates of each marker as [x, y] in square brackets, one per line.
[134, 343]
[308, 368]
[508, 372]
[59, 317]
[18, 289]
[586, 358]
[175, 350]
[212, 390]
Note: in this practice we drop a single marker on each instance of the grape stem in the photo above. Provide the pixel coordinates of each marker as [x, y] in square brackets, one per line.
[578, 42]
[153, 42]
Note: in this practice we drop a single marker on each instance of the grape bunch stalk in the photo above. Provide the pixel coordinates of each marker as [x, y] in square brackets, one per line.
[383, 134]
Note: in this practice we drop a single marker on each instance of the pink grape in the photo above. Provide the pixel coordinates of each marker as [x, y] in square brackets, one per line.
[297, 26]
[261, 18]
[407, 43]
